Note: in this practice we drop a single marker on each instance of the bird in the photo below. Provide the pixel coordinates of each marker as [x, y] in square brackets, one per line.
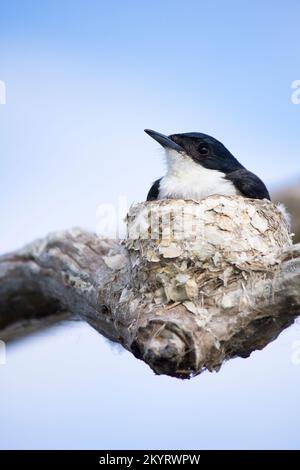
[199, 166]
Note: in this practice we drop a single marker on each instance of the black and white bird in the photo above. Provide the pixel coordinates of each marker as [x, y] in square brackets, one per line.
[199, 166]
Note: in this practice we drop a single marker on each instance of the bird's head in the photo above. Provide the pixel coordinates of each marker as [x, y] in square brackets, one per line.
[202, 149]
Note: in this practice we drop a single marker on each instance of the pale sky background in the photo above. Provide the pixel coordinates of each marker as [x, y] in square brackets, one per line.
[83, 79]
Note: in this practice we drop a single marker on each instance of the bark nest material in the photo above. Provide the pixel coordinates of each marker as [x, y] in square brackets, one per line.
[194, 283]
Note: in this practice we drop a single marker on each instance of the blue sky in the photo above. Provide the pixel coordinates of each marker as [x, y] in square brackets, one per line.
[83, 79]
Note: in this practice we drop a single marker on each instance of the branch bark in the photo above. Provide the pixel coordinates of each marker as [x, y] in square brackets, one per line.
[193, 285]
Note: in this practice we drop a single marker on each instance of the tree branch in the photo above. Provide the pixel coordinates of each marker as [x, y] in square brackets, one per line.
[193, 285]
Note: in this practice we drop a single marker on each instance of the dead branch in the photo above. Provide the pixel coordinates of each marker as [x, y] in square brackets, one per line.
[219, 279]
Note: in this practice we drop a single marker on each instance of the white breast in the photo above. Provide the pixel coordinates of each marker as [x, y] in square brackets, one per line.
[186, 179]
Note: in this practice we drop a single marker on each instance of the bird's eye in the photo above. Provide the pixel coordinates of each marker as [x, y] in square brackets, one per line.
[203, 149]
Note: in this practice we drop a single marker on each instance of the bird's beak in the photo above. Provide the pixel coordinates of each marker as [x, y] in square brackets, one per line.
[164, 140]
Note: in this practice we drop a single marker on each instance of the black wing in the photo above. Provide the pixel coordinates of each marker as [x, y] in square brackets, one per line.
[154, 191]
[248, 184]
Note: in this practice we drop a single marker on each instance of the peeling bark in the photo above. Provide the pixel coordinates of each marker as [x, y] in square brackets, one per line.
[193, 285]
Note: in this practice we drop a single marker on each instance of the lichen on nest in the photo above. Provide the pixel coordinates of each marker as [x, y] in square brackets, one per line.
[185, 251]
